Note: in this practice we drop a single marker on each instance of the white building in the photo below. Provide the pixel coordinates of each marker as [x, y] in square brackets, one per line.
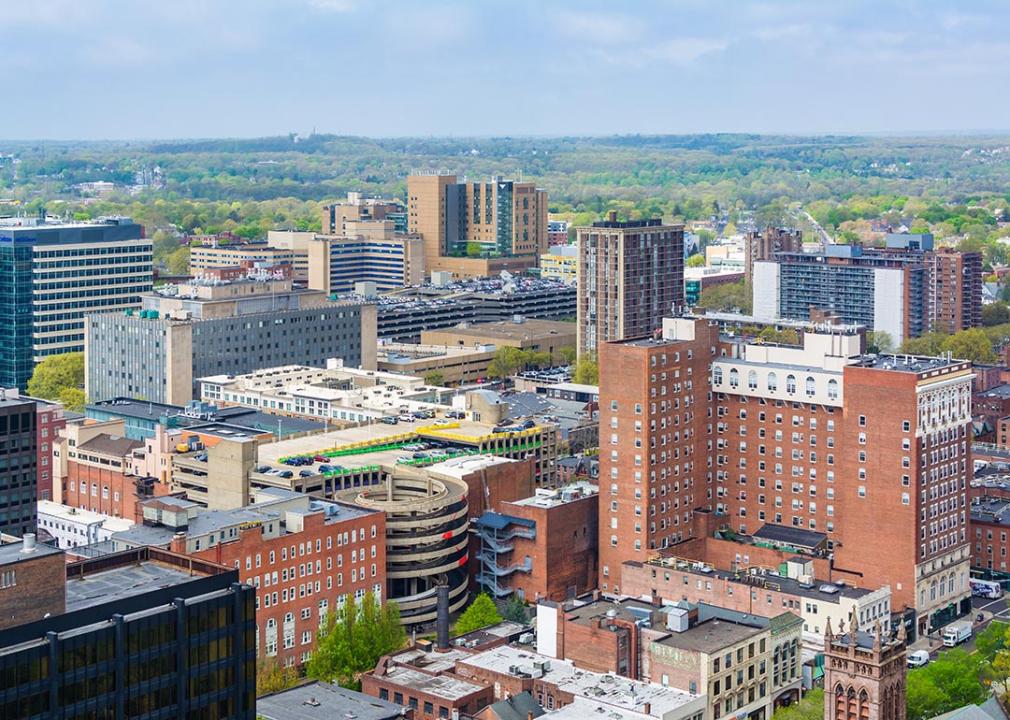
[72, 527]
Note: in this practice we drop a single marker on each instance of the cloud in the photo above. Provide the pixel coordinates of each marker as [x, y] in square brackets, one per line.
[686, 50]
[332, 6]
[598, 28]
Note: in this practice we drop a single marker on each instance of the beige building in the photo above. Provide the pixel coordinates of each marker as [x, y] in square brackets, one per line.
[206, 257]
[548, 336]
[218, 476]
[561, 263]
[336, 216]
[473, 229]
[456, 365]
[297, 243]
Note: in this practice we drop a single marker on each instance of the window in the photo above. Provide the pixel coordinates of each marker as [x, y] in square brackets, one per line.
[832, 389]
[717, 375]
[773, 382]
[752, 380]
[734, 378]
[811, 386]
[791, 384]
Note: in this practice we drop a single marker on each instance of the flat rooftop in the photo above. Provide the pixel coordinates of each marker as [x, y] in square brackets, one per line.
[441, 686]
[432, 662]
[994, 511]
[528, 329]
[324, 701]
[711, 636]
[605, 689]
[122, 582]
[560, 496]
[908, 363]
[11, 553]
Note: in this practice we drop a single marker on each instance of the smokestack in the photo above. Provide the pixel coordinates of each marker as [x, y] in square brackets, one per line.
[442, 619]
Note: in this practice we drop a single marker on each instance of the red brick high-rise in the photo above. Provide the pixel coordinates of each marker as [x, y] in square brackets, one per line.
[955, 284]
[820, 443]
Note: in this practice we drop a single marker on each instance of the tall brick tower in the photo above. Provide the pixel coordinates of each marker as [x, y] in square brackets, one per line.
[864, 674]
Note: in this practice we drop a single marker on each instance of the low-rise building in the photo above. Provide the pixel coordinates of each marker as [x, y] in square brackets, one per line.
[546, 336]
[556, 683]
[71, 527]
[764, 593]
[698, 279]
[989, 525]
[452, 365]
[540, 547]
[305, 556]
[160, 614]
[561, 263]
[215, 256]
[325, 700]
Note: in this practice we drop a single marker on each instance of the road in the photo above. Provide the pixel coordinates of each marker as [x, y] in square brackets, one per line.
[825, 238]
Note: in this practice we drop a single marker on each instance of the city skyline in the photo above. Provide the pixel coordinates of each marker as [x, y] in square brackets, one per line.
[192, 69]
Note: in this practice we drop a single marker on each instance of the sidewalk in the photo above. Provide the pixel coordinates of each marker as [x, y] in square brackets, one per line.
[934, 641]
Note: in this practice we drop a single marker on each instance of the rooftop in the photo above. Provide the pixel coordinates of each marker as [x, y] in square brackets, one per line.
[13, 552]
[990, 510]
[528, 329]
[545, 498]
[113, 445]
[711, 636]
[786, 535]
[324, 701]
[122, 582]
[605, 689]
[441, 686]
[908, 363]
[224, 421]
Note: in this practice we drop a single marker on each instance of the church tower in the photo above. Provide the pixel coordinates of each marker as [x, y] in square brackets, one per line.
[864, 674]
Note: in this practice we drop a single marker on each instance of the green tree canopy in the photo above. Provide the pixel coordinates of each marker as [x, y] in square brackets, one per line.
[728, 297]
[879, 341]
[480, 614]
[352, 639]
[951, 681]
[587, 370]
[60, 378]
[569, 354]
[995, 313]
[177, 262]
[810, 707]
[434, 377]
[272, 677]
[515, 610]
[696, 260]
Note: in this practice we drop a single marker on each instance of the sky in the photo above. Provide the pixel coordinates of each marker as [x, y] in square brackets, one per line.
[129, 69]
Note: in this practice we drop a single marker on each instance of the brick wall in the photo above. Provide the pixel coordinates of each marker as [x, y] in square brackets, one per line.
[36, 588]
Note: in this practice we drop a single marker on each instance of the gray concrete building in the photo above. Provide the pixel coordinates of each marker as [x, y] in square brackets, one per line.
[18, 464]
[213, 327]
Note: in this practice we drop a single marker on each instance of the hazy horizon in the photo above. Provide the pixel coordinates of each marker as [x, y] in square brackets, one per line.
[191, 69]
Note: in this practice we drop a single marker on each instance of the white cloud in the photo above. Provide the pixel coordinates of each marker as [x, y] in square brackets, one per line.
[685, 50]
[332, 6]
[598, 28]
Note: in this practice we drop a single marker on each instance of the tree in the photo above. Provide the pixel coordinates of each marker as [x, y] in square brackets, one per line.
[999, 669]
[434, 377]
[786, 336]
[728, 297]
[480, 614]
[696, 260]
[515, 610]
[569, 354]
[272, 677]
[879, 341]
[991, 640]
[473, 249]
[810, 707]
[352, 640]
[177, 263]
[971, 345]
[995, 313]
[60, 377]
[587, 370]
[949, 682]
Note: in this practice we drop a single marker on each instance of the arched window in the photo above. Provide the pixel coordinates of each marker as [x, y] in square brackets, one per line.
[811, 386]
[773, 382]
[271, 623]
[752, 380]
[791, 384]
[717, 375]
[833, 389]
[734, 378]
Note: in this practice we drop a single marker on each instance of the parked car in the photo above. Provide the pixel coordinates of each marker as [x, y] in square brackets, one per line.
[286, 474]
[443, 421]
[320, 458]
[918, 658]
[263, 469]
[305, 473]
[325, 468]
[389, 420]
[406, 418]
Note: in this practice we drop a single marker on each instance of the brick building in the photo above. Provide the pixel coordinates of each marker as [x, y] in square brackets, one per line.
[700, 648]
[763, 245]
[304, 556]
[32, 582]
[49, 420]
[808, 438]
[955, 290]
[631, 276]
[542, 546]
[864, 675]
[990, 524]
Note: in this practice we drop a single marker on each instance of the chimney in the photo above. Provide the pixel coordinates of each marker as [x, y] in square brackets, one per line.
[28, 543]
[647, 709]
[612, 216]
[529, 715]
[442, 618]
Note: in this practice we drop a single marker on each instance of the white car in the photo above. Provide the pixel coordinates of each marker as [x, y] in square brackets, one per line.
[918, 658]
